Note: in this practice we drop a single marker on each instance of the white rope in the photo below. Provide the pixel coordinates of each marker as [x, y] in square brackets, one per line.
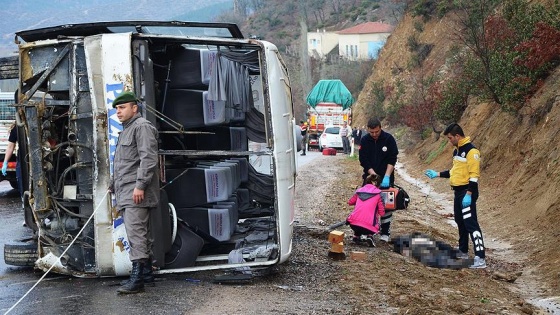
[58, 260]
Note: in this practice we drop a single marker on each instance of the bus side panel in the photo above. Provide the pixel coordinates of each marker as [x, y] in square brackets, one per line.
[110, 72]
[284, 151]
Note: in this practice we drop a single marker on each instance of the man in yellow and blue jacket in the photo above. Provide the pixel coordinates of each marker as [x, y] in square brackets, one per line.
[463, 178]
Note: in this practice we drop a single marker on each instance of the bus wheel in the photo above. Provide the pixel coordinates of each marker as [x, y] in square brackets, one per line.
[20, 254]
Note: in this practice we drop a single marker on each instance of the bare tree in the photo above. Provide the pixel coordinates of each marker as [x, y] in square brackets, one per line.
[472, 15]
[336, 9]
[304, 57]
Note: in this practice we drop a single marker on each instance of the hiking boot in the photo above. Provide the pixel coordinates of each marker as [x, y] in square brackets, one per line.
[369, 241]
[384, 238]
[479, 263]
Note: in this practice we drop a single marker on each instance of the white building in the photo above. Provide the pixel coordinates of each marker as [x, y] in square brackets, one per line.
[321, 43]
[363, 41]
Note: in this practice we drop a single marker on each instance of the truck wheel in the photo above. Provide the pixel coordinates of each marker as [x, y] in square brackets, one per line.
[23, 255]
[14, 184]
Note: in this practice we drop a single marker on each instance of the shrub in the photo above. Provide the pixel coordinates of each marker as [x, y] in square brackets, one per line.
[419, 26]
[377, 96]
[453, 101]
[510, 53]
[419, 112]
[434, 154]
[412, 43]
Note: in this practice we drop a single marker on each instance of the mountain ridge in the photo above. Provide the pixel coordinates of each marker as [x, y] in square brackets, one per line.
[25, 15]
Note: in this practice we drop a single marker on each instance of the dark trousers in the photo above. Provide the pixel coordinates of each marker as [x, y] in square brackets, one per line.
[467, 223]
[385, 227]
[346, 145]
[358, 230]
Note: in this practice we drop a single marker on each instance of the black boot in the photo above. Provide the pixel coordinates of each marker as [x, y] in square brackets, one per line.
[136, 282]
[147, 272]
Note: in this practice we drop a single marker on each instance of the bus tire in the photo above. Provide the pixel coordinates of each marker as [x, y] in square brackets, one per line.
[23, 255]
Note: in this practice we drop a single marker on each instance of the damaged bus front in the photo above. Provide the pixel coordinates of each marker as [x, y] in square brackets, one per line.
[222, 105]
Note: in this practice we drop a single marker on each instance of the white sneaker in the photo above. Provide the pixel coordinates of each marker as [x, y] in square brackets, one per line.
[384, 238]
[479, 263]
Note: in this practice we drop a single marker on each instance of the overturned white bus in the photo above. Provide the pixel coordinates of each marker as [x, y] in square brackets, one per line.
[222, 105]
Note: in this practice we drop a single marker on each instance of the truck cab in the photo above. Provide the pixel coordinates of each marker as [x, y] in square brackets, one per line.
[223, 108]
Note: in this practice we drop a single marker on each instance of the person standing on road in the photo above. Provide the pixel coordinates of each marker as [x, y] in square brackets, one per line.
[345, 133]
[378, 155]
[135, 183]
[364, 220]
[304, 130]
[12, 141]
[357, 135]
[463, 177]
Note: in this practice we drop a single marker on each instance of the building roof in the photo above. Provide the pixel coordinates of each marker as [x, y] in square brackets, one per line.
[368, 28]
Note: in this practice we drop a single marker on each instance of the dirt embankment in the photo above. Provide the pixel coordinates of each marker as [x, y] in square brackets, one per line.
[387, 282]
[520, 168]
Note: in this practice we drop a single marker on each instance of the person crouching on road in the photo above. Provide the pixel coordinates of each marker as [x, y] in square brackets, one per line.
[135, 182]
[369, 207]
[463, 178]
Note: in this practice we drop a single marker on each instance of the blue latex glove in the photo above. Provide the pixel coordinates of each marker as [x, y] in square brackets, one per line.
[5, 169]
[431, 174]
[386, 182]
[466, 200]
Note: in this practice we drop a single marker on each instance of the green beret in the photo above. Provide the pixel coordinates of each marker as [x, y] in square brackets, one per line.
[125, 97]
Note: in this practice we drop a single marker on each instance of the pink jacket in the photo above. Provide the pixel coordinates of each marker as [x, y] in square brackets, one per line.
[369, 207]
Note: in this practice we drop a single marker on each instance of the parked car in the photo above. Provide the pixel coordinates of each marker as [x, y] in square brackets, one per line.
[330, 138]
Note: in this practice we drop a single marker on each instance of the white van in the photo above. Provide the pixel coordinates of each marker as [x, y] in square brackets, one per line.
[223, 108]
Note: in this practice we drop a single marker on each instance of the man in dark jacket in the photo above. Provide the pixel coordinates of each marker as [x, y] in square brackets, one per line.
[304, 129]
[378, 155]
[135, 183]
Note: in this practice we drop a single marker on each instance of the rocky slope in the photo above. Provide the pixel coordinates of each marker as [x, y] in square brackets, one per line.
[520, 157]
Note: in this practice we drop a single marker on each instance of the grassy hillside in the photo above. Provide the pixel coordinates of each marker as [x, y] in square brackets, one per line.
[520, 176]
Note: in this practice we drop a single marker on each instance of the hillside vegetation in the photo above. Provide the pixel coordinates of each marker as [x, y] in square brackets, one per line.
[511, 111]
